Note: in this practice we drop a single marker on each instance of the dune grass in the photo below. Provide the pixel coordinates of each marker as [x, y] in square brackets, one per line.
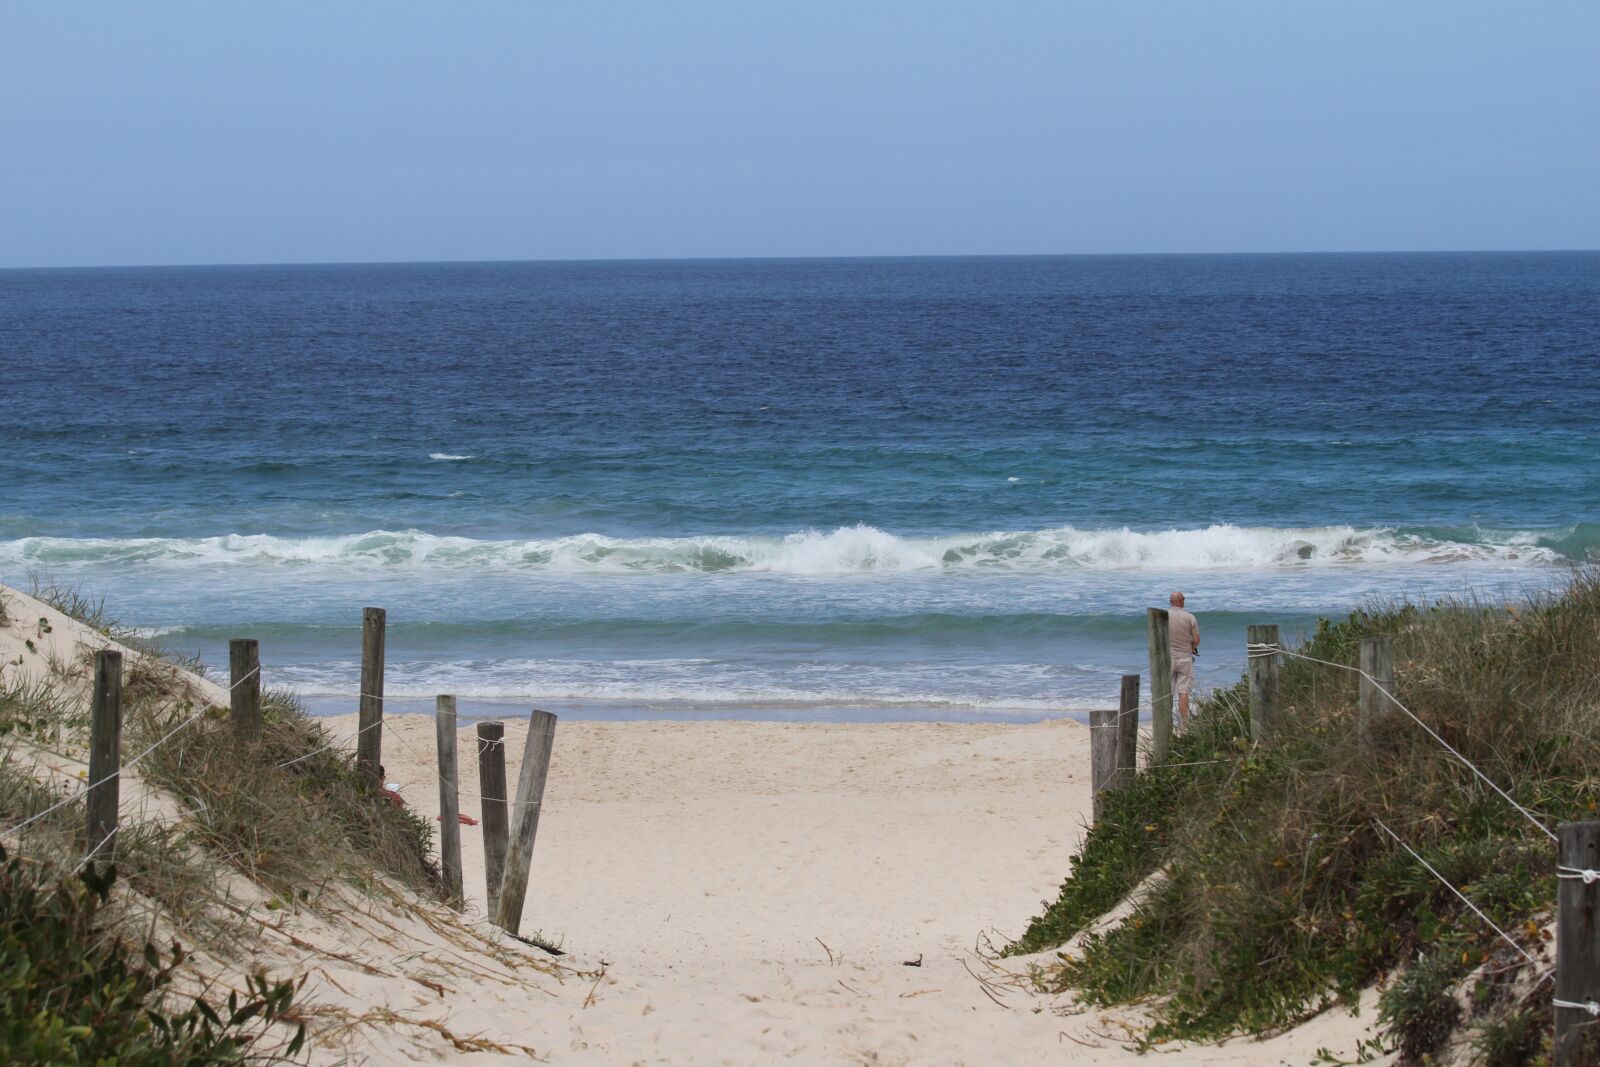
[1283, 895]
[288, 812]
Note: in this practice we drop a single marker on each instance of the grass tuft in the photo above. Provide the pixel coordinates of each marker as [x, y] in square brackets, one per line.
[291, 812]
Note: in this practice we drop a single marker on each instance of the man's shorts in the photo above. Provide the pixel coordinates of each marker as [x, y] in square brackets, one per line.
[1182, 674]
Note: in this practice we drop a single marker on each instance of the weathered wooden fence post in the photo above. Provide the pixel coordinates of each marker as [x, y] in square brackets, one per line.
[105, 754]
[244, 692]
[1128, 731]
[1160, 686]
[1377, 678]
[449, 797]
[492, 791]
[1260, 645]
[1577, 1033]
[1102, 755]
[369, 742]
[525, 819]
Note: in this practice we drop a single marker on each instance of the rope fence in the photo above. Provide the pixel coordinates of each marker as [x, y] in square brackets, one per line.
[130, 764]
[1576, 995]
[509, 822]
[1260, 651]
[1581, 973]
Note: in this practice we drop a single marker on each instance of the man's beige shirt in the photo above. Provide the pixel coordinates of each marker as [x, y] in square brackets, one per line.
[1183, 630]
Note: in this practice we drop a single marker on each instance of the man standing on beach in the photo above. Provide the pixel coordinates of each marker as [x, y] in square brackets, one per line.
[1183, 642]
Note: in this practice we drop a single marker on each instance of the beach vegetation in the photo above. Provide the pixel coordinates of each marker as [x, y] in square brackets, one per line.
[289, 814]
[291, 811]
[72, 991]
[1284, 885]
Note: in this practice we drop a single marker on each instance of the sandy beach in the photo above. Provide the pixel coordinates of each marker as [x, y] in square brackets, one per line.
[726, 893]
[754, 892]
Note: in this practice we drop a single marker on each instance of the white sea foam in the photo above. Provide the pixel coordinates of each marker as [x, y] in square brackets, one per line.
[682, 684]
[150, 633]
[843, 551]
[448, 456]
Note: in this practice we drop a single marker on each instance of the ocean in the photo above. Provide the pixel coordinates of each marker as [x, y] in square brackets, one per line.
[863, 489]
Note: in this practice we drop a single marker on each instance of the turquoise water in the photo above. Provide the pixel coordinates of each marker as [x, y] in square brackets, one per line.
[931, 488]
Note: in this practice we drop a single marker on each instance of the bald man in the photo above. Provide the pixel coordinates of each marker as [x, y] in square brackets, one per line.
[1183, 642]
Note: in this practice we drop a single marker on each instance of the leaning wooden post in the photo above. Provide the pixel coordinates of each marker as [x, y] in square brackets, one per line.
[1102, 755]
[1128, 731]
[492, 788]
[244, 692]
[525, 819]
[369, 742]
[449, 797]
[105, 754]
[1377, 678]
[1261, 643]
[1577, 1033]
[1160, 686]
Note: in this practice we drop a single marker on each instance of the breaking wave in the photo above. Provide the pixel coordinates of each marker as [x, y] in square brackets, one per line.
[843, 551]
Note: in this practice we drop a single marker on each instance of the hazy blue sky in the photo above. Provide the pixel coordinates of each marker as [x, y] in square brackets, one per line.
[220, 132]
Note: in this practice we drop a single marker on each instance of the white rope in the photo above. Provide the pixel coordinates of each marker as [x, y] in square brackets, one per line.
[104, 841]
[1573, 873]
[330, 745]
[1255, 651]
[1505, 936]
[398, 740]
[456, 785]
[64, 801]
[1572, 1005]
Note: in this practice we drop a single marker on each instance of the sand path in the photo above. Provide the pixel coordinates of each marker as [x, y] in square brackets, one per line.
[754, 889]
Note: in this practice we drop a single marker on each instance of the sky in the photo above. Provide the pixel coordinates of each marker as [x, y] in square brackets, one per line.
[164, 133]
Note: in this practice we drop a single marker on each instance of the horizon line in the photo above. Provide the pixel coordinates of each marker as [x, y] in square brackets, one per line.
[792, 259]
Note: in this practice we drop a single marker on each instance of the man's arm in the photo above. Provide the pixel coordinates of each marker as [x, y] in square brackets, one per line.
[1197, 637]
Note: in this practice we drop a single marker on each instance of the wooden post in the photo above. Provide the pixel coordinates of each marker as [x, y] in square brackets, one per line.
[1160, 686]
[244, 694]
[1128, 731]
[1577, 1033]
[1263, 672]
[105, 754]
[449, 797]
[492, 787]
[369, 742]
[1102, 755]
[525, 819]
[1377, 663]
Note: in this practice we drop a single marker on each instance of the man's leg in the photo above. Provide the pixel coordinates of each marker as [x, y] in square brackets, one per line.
[1183, 712]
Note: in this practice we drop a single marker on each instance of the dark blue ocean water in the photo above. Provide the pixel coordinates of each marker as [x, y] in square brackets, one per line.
[809, 488]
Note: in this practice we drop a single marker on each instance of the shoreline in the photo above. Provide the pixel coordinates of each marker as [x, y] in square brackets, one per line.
[476, 709]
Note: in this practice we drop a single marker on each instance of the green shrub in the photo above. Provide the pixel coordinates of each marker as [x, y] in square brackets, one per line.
[1419, 1009]
[1511, 1039]
[71, 994]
